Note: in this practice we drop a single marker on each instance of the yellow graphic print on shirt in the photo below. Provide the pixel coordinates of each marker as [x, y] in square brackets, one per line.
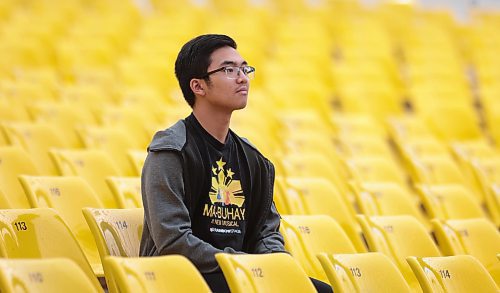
[224, 189]
[226, 208]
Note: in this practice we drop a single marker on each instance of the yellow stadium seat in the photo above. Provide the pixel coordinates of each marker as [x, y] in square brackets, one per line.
[399, 237]
[309, 164]
[318, 196]
[461, 273]
[487, 175]
[41, 233]
[404, 128]
[170, 273]
[116, 142]
[67, 195]
[43, 275]
[436, 170]
[117, 232]
[375, 169]
[36, 139]
[363, 272]
[365, 146]
[137, 158]
[274, 272]
[477, 237]
[92, 165]
[64, 117]
[387, 199]
[450, 201]
[306, 236]
[127, 191]
[14, 162]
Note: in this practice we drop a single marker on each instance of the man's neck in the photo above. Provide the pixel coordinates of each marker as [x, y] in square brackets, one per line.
[215, 123]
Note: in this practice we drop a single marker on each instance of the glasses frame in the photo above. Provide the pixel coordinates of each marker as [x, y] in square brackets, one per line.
[240, 69]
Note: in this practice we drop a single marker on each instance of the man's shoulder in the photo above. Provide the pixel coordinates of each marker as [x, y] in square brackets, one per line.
[172, 138]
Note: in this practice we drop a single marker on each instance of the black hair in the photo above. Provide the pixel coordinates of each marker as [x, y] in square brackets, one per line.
[194, 58]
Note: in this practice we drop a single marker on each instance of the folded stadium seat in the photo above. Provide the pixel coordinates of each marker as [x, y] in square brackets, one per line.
[12, 110]
[365, 146]
[90, 95]
[459, 123]
[274, 272]
[14, 162]
[41, 233]
[477, 237]
[461, 273]
[356, 125]
[116, 142]
[407, 127]
[387, 199]
[67, 195]
[306, 236]
[422, 147]
[318, 196]
[310, 164]
[487, 175]
[363, 272]
[36, 139]
[127, 191]
[135, 123]
[117, 232]
[144, 98]
[43, 275]
[154, 70]
[375, 169]
[64, 117]
[399, 237]
[450, 201]
[137, 159]
[92, 165]
[169, 273]
[436, 170]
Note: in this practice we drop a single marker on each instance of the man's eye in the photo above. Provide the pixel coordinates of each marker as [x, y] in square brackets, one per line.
[229, 69]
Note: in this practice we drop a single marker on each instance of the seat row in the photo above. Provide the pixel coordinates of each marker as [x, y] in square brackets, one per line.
[403, 258]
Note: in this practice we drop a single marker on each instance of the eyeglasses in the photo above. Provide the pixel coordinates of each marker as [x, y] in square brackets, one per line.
[233, 72]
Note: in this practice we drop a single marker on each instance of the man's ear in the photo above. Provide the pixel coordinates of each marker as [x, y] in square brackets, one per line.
[197, 86]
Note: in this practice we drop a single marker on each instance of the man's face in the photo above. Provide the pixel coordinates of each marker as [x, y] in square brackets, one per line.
[222, 92]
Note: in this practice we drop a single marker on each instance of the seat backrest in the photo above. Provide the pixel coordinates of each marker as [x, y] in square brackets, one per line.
[114, 141]
[14, 162]
[36, 139]
[68, 195]
[40, 233]
[43, 275]
[126, 190]
[117, 232]
[375, 169]
[363, 272]
[461, 273]
[318, 196]
[398, 237]
[477, 237]
[137, 159]
[387, 199]
[171, 273]
[275, 272]
[436, 170]
[93, 166]
[486, 174]
[309, 235]
[449, 201]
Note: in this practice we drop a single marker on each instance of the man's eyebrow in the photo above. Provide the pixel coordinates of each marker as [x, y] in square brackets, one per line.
[232, 63]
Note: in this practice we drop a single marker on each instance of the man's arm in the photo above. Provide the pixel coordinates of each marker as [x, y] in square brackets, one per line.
[270, 239]
[167, 218]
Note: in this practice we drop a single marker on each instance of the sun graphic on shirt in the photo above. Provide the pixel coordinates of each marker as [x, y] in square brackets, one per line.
[224, 189]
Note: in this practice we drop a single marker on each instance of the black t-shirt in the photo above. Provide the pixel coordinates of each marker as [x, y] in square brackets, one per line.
[219, 218]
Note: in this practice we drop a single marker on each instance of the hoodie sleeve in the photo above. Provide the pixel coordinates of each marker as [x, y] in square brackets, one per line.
[167, 225]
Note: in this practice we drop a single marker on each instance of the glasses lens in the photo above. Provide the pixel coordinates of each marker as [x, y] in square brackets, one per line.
[233, 72]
